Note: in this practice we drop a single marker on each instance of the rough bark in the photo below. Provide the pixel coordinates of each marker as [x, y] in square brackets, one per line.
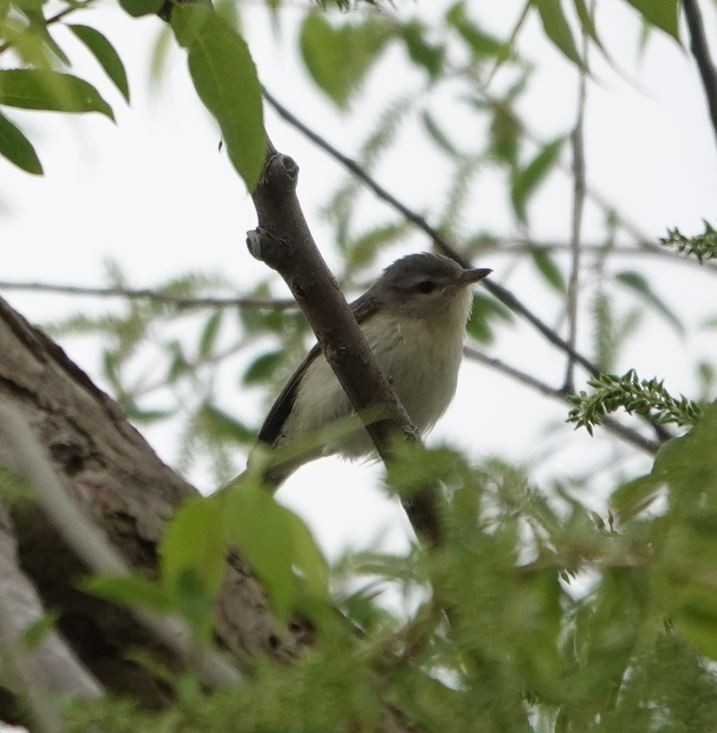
[130, 494]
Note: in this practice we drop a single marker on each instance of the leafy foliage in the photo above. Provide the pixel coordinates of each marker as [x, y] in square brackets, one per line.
[702, 246]
[643, 397]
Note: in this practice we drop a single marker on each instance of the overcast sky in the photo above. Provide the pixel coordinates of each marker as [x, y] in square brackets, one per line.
[153, 193]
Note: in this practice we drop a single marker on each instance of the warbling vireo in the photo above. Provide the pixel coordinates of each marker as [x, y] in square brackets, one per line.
[414, 319]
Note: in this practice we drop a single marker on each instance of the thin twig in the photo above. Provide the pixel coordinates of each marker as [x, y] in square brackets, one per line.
[578, 167]
[156, 296]
[627, 434]
[498, 291]
[90, 545]
[701, 51]
[501, 293]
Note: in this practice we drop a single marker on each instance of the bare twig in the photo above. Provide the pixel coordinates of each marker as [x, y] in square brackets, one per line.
[498, 291]
[578, 166]
[501, 293]
[155, 296]
[701, 51]
[90, 545]
[627, 434]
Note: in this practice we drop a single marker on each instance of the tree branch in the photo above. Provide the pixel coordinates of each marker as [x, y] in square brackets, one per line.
[627, 434]
[578, 167]
[701, 51]
[284, 242]
[498, 291]
[90, 545]
[155, 296]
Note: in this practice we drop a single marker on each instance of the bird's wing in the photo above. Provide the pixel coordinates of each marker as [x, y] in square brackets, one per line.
[271, 430]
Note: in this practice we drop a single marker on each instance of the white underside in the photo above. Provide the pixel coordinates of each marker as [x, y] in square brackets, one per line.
[422, 364]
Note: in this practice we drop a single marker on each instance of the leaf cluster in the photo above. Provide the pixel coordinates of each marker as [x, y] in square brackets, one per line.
[647, 397]
[702, 246]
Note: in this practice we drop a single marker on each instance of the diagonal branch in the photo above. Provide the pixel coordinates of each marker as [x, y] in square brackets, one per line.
[156, 296]
[701, 51]
[498, 291]
[284, 242]
[625, 433]
[578, 167]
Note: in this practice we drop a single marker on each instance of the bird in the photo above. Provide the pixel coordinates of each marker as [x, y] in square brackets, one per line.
[413, 318]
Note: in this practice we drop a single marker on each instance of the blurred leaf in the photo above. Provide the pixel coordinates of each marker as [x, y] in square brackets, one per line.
[225, 78]
[505, 133]
[307, 556]
[480, 42]
[194, 543]
[633, 497]
[105, 54]
[128, 590]
[50, 90]
[549, 270]
[209, 333]
[338, 59]
[525, 182]
[137, 8]
[221, 426]
[663, 14]
[34, 634]
[557, 28]
[483, 310]
[363, 250]
[263, 532]
[587, 22]
[437, 134]
[427, 55]
[262, 368]
[17, 148]
[639, 284]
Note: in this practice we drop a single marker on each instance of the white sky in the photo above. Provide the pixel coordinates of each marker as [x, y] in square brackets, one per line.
[153, 193]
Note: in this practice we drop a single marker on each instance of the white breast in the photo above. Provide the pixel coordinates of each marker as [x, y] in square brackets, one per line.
[422, 364]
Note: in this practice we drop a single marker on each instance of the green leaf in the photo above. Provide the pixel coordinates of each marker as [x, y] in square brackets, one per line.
[225, 78]
[105, 54]
[587, 22]
[17, 148]
[549, 270]
[480, 42]
[210, 333]
[633, 497]
[664, 14]
[262, 367]
[557, 28]
[307, 556]
[483, 310]
[194, 543]
[339, 58]
[37, 632]
[50, 90]
[424, 54]
[221, 426]
[438, 135]
[129, 590]
[637, 283]
[525, 182]
[265, 536]
[505, 132]
[137, 8]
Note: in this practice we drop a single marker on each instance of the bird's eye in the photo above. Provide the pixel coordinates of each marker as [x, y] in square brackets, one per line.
[425, 286]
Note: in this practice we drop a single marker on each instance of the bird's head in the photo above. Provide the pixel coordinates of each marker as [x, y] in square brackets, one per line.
[427, 286]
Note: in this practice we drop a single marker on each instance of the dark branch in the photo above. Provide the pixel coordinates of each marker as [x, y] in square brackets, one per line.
[627, 434]
[498, 291]
[284, 242]
[156, 296]
[701, 51]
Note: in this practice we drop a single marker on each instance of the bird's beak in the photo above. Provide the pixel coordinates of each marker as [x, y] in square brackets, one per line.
[473, 276]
